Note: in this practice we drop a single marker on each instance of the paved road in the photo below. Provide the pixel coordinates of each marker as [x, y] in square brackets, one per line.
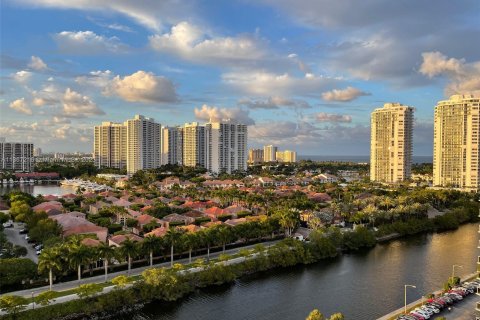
[98, 279]
[463, 310]
[15, 237]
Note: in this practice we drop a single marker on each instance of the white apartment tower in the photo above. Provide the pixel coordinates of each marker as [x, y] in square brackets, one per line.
[172, 145]
[16, 156]
[391, 143]
[143, 144]
[269, 153]
[226, 146]
[456, 146]
[110, 145]
[194, 152]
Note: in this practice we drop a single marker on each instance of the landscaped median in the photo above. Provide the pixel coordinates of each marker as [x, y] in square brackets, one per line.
[167, 284]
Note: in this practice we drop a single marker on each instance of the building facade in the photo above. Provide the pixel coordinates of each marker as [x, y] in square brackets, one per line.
[456, 143]
[194, 151]
[226, 147]
[143, 144]
[16, 156]
[172, 145]
[391, 143]
[286, 156]
[255, 156]
[269, 153]
[110, 145]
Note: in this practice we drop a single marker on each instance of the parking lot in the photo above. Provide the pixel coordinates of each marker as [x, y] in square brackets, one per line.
[15, 237]
[464, 310]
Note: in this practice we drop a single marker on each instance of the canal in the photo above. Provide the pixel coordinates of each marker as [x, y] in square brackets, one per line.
[363, 286]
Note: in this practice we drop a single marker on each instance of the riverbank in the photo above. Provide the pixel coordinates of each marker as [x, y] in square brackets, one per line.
[394, 314]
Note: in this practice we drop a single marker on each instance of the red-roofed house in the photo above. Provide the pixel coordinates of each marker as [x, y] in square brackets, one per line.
[49, 205]
[73, 225]
[120, 238]
[214, 212]
[158, 232]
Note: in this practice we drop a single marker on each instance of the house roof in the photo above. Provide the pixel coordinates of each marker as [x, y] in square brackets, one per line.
[120, 238]
[175, 217]
[157, 232]
[44, 206]
[82, 229]
[235, 222]
[214, 211]
[190, 228]
[122, 203]
[89, 242]
[145, 219]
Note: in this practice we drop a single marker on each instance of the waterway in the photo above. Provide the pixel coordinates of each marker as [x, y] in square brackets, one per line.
[363, 286]
[36, 189]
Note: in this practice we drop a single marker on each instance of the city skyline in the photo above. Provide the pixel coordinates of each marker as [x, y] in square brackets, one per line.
[303, 75]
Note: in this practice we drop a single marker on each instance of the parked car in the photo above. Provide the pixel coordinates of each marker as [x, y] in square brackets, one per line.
[8, 224]
[27, 237]
[38, 252]
[39, 247]
[23, 231]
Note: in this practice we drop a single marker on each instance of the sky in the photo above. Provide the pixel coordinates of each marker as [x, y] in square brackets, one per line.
[303, 74]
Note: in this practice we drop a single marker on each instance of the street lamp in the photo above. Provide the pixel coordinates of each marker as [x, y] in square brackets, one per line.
[33, 301]
[405, 292]
[453, 269]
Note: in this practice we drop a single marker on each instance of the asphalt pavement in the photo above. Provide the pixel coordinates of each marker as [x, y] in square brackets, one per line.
[15, 237]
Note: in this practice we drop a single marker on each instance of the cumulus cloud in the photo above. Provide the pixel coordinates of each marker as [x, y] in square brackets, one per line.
[266, 83]
[77, 106]
[143, 86]
[274, 103]
[190, 43]
[96, 78]
[347, 94]
[21, 106]
[87, 42]
[331, 117]
[149, 13]
[47, 96]
[22, 76]
[207, 113]
[464, 78]
[37, 64]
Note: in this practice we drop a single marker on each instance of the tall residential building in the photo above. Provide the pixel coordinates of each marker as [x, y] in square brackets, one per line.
[226, 146]
[172, 145]
[143, 144]
[255, 156]
[456, 146]
[269, 153]
[286, 156]
[110, 145]
[194, 151]
[391, 143]
[37, 152]
[16, 156]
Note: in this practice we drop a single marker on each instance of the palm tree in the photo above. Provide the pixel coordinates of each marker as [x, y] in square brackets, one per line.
[50, 259]
[107, 253]
[225, 235]
[288, 221]
[172, 236]
[190, 241]
[207, 238]
[151, 243]
[129, 248]
[78, 255]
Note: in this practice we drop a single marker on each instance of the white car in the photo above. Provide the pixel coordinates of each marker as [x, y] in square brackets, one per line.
[422, 313]
[8, 224]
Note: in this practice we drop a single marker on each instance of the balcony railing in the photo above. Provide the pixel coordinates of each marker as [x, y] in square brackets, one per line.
[478, 306]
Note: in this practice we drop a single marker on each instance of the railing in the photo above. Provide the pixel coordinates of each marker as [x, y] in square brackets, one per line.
[478, 306]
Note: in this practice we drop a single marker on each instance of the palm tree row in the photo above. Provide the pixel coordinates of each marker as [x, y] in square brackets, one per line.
[73, 255]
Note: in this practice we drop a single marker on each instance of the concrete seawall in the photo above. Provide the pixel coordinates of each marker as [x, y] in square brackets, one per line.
[414, 304]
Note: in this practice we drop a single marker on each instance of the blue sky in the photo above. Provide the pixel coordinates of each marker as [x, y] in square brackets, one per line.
[304, 74]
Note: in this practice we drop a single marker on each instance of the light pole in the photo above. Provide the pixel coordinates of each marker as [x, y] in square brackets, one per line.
[33, 301]
[405, 292]
[453, 269]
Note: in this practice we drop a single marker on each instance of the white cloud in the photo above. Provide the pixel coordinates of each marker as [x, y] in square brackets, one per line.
[464, 78]
[274, 103]
[331, 117]
[149, 13]
[22, 76]
[76, 105]
[37, 64]
[213, 113]
[142, 86]
[266, 83]
[48, 95]
[21, 106]
[87, 42]
[97, 78]
[347, 94]
[191, 43]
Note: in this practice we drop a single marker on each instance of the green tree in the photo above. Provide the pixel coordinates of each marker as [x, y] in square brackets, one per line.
[190, 241]
[87, 290]
[120, 281]
[13, 304]
[78, 255]
[107, 253]
[50, 259]
[46, 297]
[150, 244]
[172, 237]
[338, 316]
[13, 271]
[315, 315]
[225, 235]
[129, 249]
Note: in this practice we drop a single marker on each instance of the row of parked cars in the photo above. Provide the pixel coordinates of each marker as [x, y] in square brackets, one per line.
[435, 305]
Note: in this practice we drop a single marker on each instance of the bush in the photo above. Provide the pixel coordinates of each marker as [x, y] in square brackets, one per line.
[114, 227]
[13, 271]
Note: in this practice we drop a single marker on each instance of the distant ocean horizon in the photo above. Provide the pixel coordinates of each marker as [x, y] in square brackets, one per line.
[358, 159]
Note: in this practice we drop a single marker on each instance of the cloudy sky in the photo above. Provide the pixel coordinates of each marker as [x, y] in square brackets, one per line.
[304, 74]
